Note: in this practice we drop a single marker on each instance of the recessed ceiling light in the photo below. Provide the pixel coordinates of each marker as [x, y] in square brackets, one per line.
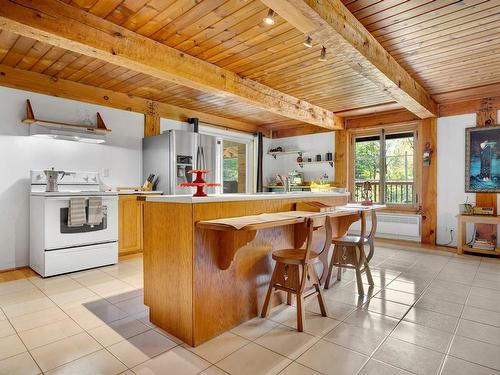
[309, 42]
[322, 57]
[269, 19]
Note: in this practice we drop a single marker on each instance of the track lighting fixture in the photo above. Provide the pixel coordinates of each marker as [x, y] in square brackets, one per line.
[309, 42]
[322, 57]
[269, 19]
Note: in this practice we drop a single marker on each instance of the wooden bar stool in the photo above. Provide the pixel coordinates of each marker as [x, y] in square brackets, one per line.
[349, 252]
[295, 268]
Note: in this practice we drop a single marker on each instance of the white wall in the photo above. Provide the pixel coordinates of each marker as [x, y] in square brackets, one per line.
[122, 155]
[312, 145]
[451, 174]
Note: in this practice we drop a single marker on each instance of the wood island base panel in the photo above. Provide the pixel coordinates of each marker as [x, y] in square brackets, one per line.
[188, 292]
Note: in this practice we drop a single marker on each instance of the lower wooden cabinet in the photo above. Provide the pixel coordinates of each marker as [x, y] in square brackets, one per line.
[130, 211]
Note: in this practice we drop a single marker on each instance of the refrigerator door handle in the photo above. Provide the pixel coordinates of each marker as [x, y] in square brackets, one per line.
[198, 157]
[203, 161]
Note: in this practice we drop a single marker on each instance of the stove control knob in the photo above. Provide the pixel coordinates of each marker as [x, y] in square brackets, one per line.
[86, 178]
[39, 176]
[94, 179]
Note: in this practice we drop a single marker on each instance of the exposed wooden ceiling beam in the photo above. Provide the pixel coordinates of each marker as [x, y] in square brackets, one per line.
[379, 119]
[371, 110]
[62, 25]
[296, 131]
[469, 106]
[468, 94]
[331, 24]
[44, 84]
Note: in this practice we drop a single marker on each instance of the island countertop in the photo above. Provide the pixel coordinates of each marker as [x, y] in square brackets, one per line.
[241, 197]
[200, 282]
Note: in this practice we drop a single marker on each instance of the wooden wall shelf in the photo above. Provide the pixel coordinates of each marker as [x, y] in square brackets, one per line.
[32, 120]
[301, 164]
[274, 154]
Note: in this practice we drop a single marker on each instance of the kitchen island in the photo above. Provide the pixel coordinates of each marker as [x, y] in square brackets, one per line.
[201, 277]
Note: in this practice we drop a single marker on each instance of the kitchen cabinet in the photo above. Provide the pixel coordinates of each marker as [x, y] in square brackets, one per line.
[130, 223]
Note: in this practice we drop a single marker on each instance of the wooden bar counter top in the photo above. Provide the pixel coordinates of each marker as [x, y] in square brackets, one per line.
[201, 280]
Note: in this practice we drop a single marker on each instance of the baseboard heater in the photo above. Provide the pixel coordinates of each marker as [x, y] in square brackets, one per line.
[393, 226]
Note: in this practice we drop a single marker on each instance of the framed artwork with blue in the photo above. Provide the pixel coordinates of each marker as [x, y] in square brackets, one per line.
[482, 160]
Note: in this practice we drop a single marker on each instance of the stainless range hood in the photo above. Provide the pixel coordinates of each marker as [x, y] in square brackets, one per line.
[69, 132]
[66, 133]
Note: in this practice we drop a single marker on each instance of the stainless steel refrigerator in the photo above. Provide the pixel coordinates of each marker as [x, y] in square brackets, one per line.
[172, 154]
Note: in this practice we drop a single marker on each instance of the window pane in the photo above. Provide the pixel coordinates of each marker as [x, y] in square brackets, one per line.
[234, 167]
[399, 175]
[367, 166]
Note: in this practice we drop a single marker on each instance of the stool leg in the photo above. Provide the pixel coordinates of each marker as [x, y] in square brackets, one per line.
[288, 298]
[300, 298]
[339, 273]
[330, 269]
[266, 306]
[317, 286]
[357, 266]
[368, 273]
[365, 264]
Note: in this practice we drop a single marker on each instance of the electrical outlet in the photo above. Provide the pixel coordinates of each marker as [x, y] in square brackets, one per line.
[105, 172]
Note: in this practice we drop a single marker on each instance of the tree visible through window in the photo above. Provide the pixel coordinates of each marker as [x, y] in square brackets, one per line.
[386, 161]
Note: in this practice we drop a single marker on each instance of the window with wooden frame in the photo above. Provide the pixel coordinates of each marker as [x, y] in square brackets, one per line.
[386, 157]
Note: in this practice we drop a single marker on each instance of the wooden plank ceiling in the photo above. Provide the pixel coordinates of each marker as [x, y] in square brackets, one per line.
[445, 45]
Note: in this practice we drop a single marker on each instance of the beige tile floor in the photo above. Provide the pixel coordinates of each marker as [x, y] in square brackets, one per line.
[429, 313]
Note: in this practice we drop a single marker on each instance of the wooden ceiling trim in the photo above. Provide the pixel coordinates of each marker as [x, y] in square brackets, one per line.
[99, 38]
[36, 82]
[332, 24]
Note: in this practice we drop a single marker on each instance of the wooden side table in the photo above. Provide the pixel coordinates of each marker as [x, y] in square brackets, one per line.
[462, 220]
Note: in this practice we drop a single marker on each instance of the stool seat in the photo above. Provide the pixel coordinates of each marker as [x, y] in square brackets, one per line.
[349, 240]
[295, 256]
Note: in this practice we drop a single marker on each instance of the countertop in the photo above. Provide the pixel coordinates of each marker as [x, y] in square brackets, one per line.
[138, 192]
[240, 197]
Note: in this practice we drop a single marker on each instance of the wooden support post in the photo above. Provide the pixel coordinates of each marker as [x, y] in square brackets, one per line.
[151, 121]
[341, 158]
[487, 116]
[427, 202]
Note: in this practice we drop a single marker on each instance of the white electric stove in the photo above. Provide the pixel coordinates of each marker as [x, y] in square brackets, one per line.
[55, 247]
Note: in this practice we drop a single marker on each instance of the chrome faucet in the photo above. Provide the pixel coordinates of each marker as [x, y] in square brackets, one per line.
[285, 180]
